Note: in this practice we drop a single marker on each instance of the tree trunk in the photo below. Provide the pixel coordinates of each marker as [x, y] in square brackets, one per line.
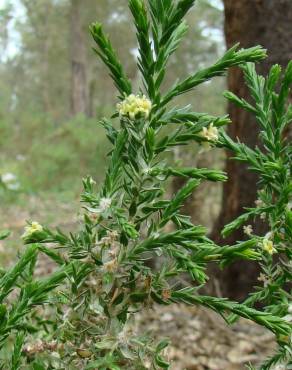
[79, 88]
[250, 22]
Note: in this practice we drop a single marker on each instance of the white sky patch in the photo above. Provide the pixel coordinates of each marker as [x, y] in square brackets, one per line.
[217, 4]
[213, 33]
[135, 53]
[203, 24]
[117, 17]
[14, 38]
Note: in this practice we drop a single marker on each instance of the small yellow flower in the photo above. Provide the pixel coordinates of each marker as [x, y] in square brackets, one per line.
[268, 246]
[265, 279]
[211, 133]
[248, 230]
[31, 229]
[259, 203]
[133, 105]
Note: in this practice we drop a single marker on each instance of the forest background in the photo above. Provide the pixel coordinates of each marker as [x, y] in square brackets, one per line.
[53, 91]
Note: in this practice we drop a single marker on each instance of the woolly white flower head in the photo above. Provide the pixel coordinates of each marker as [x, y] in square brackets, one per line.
[104, 204]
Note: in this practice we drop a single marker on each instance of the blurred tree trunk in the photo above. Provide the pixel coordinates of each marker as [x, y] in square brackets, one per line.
[46, 64]
[250, 22]
[79, 88]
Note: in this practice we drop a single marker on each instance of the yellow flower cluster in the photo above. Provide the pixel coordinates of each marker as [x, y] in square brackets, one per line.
[135, 105]
[31, 229]
[211, 133]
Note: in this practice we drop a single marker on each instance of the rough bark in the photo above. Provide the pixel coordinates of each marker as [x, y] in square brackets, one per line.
[79, 86]
[250, 22]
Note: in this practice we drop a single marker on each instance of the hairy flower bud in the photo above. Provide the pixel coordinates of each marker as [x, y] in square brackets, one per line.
[30, 230]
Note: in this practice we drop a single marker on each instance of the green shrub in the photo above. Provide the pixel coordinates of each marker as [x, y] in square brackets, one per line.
[79, 316]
